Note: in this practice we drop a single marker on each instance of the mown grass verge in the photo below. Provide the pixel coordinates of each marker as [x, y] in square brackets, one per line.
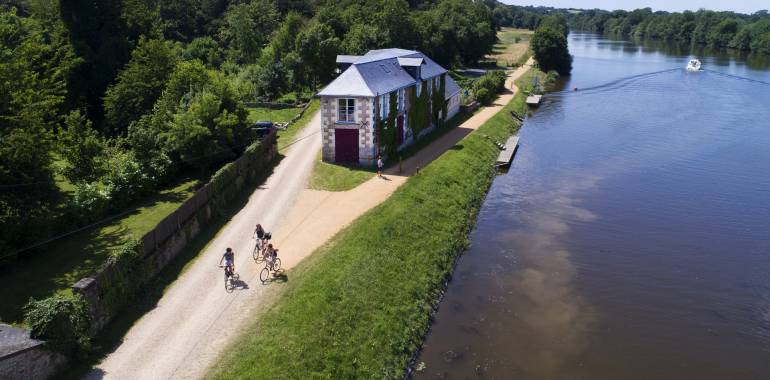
[360, 306]
[287, 136]
[275, 115]
[335, 177]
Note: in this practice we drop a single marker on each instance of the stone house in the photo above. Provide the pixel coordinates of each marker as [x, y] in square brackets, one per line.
[382, 102]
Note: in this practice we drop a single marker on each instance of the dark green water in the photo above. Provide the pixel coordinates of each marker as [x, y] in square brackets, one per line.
[631, 237]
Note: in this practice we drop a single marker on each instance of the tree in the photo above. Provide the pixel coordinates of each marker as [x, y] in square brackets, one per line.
[138, 85]
[102, 40]
[80, 147]
[549, 44]
[318, 47]
[247, 28]
[204, 49]
[35, 59]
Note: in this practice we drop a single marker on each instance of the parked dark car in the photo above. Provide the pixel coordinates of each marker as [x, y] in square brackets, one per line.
[262, 128]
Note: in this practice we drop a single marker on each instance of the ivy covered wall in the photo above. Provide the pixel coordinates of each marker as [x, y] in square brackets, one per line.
[420, 111]
[386, 129]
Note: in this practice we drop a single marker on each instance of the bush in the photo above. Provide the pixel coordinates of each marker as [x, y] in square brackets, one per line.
[124, 178]
[483, 96]
[90, 201]
[551, 77]
[492, 83]
[62, 320]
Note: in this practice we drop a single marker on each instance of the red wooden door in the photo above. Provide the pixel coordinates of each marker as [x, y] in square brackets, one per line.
[346, 145]
[400, 130]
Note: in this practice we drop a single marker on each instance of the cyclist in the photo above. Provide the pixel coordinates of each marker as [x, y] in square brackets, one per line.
[271, 254]
[229, 258]
[259, 232]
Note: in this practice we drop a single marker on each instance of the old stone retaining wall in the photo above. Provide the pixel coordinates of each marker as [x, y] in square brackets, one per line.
[110, 288]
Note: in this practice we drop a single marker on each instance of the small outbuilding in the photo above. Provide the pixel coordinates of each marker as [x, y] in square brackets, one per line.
[382, 102]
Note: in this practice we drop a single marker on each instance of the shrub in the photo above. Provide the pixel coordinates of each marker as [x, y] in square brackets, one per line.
[90, 201]
[124, 178]
[62, 320]
[483, 96]
[489, 84]
[551, 77]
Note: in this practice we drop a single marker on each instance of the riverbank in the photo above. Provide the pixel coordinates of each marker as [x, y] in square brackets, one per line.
[361, 304]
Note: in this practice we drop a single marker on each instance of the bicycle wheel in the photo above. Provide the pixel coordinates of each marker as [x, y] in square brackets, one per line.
[228, 284]
[264, 274]
[276, 264]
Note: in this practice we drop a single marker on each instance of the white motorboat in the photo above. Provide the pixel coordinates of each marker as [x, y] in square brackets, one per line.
[693, 65]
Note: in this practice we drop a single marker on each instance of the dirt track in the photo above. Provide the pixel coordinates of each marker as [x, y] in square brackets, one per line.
[195, 319]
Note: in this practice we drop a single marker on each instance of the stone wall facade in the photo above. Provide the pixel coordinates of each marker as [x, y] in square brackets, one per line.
[365, 119]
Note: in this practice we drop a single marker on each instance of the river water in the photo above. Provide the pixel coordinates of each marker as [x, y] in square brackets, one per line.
[630, 239]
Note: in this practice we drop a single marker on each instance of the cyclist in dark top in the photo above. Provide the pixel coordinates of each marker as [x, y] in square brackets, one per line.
[259, 232]
[229, 258]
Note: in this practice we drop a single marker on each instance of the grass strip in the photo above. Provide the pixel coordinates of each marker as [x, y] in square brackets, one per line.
[360, 306]
[288, 135]
[275, 115]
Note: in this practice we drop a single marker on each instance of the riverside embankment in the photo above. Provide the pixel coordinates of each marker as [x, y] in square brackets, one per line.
[360, 305]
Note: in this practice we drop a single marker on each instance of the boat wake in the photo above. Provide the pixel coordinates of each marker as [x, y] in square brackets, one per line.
[736, 77]
[616, 84]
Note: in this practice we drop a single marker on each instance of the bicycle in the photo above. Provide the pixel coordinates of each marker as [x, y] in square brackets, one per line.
[270, 266]
[260, 247]
[230, 278]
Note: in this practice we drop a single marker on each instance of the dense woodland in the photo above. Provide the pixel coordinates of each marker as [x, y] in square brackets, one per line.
[718, 29]
[110, 100]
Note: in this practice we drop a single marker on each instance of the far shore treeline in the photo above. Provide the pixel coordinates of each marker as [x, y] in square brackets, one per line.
[703, 27]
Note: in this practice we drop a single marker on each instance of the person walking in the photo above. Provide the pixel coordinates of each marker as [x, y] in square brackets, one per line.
[380, 165]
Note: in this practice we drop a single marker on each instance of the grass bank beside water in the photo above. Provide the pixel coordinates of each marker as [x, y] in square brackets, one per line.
[360, 306]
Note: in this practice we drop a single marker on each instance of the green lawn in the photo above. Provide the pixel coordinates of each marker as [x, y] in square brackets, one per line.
[360, 306]
[512, 47]
[63, 262]
[276, 116]
[337, 177]
[334, 177]
[286, 137]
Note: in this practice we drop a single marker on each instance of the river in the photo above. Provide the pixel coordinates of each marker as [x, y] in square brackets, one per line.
[630, 239]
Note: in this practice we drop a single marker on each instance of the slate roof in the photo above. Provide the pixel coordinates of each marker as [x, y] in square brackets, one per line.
[379, 72]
